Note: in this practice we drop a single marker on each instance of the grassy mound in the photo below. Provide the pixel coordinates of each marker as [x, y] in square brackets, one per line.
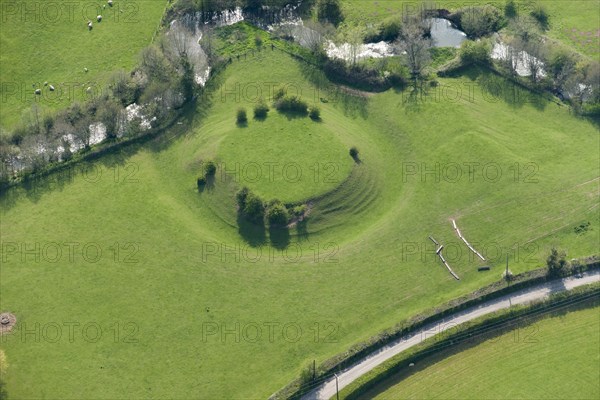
[181, 276]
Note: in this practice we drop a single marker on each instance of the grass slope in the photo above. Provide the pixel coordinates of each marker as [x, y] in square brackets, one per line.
[556, 358]
[196, 269]
[50, 41]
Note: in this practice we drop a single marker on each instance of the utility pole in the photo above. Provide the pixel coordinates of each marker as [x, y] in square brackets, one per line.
[506, 273]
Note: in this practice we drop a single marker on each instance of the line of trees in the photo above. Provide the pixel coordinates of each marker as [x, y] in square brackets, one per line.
[163, 82]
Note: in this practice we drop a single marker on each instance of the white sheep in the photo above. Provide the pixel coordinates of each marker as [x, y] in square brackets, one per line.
[99, 18]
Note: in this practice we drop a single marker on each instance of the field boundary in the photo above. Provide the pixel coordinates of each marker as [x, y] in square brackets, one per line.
[329, 367]
[489, 324]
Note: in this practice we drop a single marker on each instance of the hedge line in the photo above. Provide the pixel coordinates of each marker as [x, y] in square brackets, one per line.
[499, 288]
[477, 329]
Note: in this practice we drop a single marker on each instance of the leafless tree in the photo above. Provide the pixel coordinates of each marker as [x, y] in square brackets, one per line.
[416, 46]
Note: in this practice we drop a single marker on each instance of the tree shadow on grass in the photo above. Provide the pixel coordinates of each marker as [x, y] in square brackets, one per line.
[302, 229]
[279, 236]
[290, 115]
[208, 185]
[253, 233]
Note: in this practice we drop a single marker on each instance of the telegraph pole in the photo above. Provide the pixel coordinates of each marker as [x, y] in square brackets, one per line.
[337, 390]
[506, 273]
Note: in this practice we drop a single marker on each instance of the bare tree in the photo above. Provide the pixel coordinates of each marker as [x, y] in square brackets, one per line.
[535, 52]
[413, 42]
[313, 37]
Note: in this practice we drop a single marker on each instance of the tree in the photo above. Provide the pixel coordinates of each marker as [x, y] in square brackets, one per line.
[561, 66]
[540, 13]
[241, 117]
[536, 52]
[210, 168]
[416, 47]
[122, 87]
[474, 52]
[277, 213]
[254, 209]
[478, 21]
[556, 262]
[109, 115]
[314, 113]
[261, 109]
[314, 35]
[329, 11]
[510, 9]
[154, 64]
[352, 36]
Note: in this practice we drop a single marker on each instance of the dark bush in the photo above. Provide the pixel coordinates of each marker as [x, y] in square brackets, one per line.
[210, 168]
[556, 262]
[291, 104]
[261, 109]
[201, 181]
[510, 9]
[540, 14]
[254, 208]
[315, 113]
[354, 152]
[241, 116]
[479, 21]
[277, 213]
[329, 11]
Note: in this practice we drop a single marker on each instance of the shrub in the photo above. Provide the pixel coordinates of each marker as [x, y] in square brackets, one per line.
[210, 168]
[291, 104]
[299, 211]
[540, 14]
[315, 113]
[277, 213]
[354, 152]
[510, 9]
[474, 52]
[258, 40]
[254, 209]
[201, 181]
[261, 109]
[241, 116]
[556, 262]
[478, 21]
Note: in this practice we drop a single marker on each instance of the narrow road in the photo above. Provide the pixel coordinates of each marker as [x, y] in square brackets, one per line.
[327, 389]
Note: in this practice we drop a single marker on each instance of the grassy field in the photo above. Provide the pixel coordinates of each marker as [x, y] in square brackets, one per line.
[556, 357]
[50, 42]
[189, 284]
[570, 21]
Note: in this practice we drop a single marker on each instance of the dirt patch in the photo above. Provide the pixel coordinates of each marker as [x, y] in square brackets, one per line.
[7, 322]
